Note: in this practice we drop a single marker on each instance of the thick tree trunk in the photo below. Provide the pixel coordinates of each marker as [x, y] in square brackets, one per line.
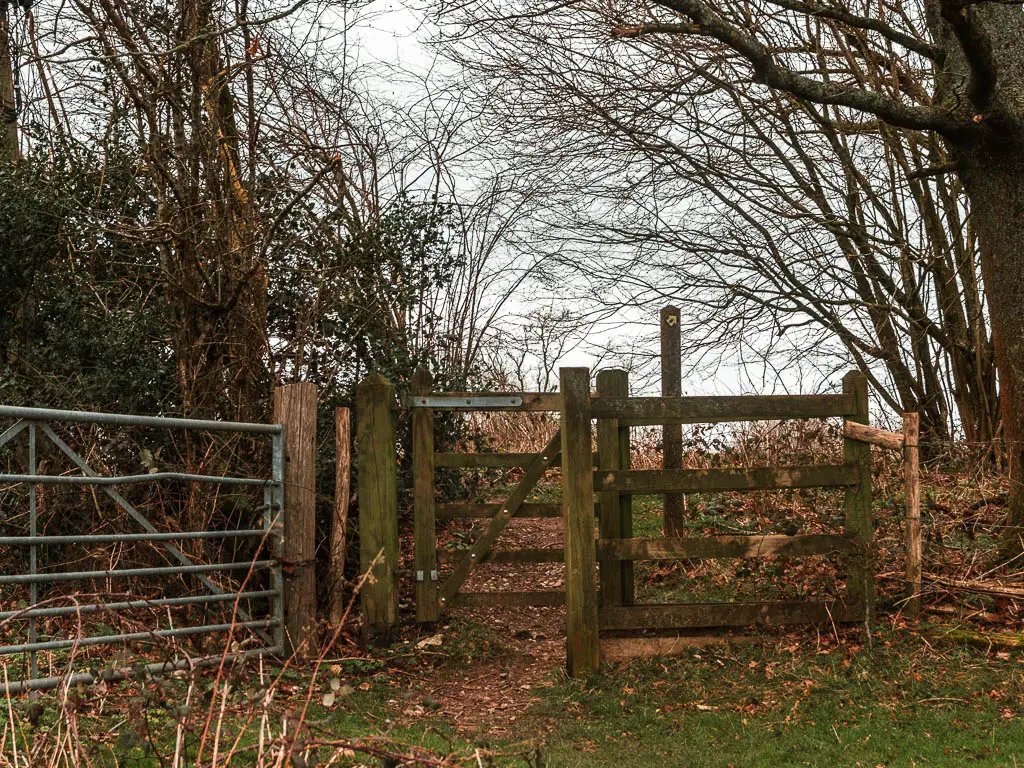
[993, 174]
[981, 77]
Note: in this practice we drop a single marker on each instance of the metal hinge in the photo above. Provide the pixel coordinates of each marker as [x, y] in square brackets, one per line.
[419, 576]
[450, 401]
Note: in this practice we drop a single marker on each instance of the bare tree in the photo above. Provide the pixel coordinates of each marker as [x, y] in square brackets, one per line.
[833, 133]
[173, 74]
[356, 159]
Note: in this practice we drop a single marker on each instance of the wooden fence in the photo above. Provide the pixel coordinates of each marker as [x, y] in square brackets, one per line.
[599, 583]
[603, 600]
[434, 594]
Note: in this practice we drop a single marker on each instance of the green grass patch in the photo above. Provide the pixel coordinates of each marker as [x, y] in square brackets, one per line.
[794, 700]
[898, 705]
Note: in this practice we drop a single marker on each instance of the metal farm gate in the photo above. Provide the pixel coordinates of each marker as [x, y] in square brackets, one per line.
[47, 631]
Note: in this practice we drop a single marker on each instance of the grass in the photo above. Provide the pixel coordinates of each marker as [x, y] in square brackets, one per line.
[139, 724]
[792, 700]
[899, 705]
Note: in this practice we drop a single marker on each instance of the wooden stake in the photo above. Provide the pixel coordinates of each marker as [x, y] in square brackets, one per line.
[378, 505]
[582, 649]
[295, 408]
[912, 479]
[339, 525]
[860, 589]
[424, 503]
[672, 434]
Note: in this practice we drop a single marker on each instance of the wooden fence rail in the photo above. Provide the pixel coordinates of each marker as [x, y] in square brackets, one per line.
[721, 547]
[589, 611]
[661, 616]
[482, 460]
[730, 479]
[640, 411]
[457, 510]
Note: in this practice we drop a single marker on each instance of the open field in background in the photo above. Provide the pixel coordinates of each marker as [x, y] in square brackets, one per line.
[488, 689]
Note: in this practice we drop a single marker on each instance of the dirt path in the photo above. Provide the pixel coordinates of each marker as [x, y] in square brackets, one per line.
[496, 691]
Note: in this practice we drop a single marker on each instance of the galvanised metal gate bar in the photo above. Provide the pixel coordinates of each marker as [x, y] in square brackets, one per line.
[270, 630]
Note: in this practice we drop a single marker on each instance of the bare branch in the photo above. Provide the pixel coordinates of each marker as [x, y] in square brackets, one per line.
[909, 42]
[772, 74]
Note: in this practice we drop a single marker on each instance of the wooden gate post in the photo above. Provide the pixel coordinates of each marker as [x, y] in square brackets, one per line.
[424, 503]
[912, 483]
[582, 649]
[378, 505]
[672, 434]
[339, 525]
[615, 510]
[295, 408]
[860, 588]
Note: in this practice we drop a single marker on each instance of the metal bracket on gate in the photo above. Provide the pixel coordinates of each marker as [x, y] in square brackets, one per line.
[419, 576]
[455, 401]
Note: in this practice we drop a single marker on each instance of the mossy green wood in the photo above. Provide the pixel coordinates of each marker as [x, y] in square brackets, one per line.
[480, 460]
[860, 589]
[378, 505]
[540, 598]
[458, 510]
[529, 555]
[694, 615]
[722, 547]
[613, 507]
[424, 503]
[582, 647]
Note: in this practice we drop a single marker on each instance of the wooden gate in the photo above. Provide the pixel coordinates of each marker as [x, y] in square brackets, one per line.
[590, 611]
[432, 594]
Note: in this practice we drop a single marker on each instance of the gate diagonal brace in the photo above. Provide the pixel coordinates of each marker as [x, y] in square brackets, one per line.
[534, 472]
[127, 506]
[13, 431]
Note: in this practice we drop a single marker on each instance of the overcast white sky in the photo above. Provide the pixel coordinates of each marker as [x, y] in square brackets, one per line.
[392, 36]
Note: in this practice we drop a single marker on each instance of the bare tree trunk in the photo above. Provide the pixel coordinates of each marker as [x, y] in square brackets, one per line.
[222, 294]
[994, 177]
[990, 163]
[9, 149]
